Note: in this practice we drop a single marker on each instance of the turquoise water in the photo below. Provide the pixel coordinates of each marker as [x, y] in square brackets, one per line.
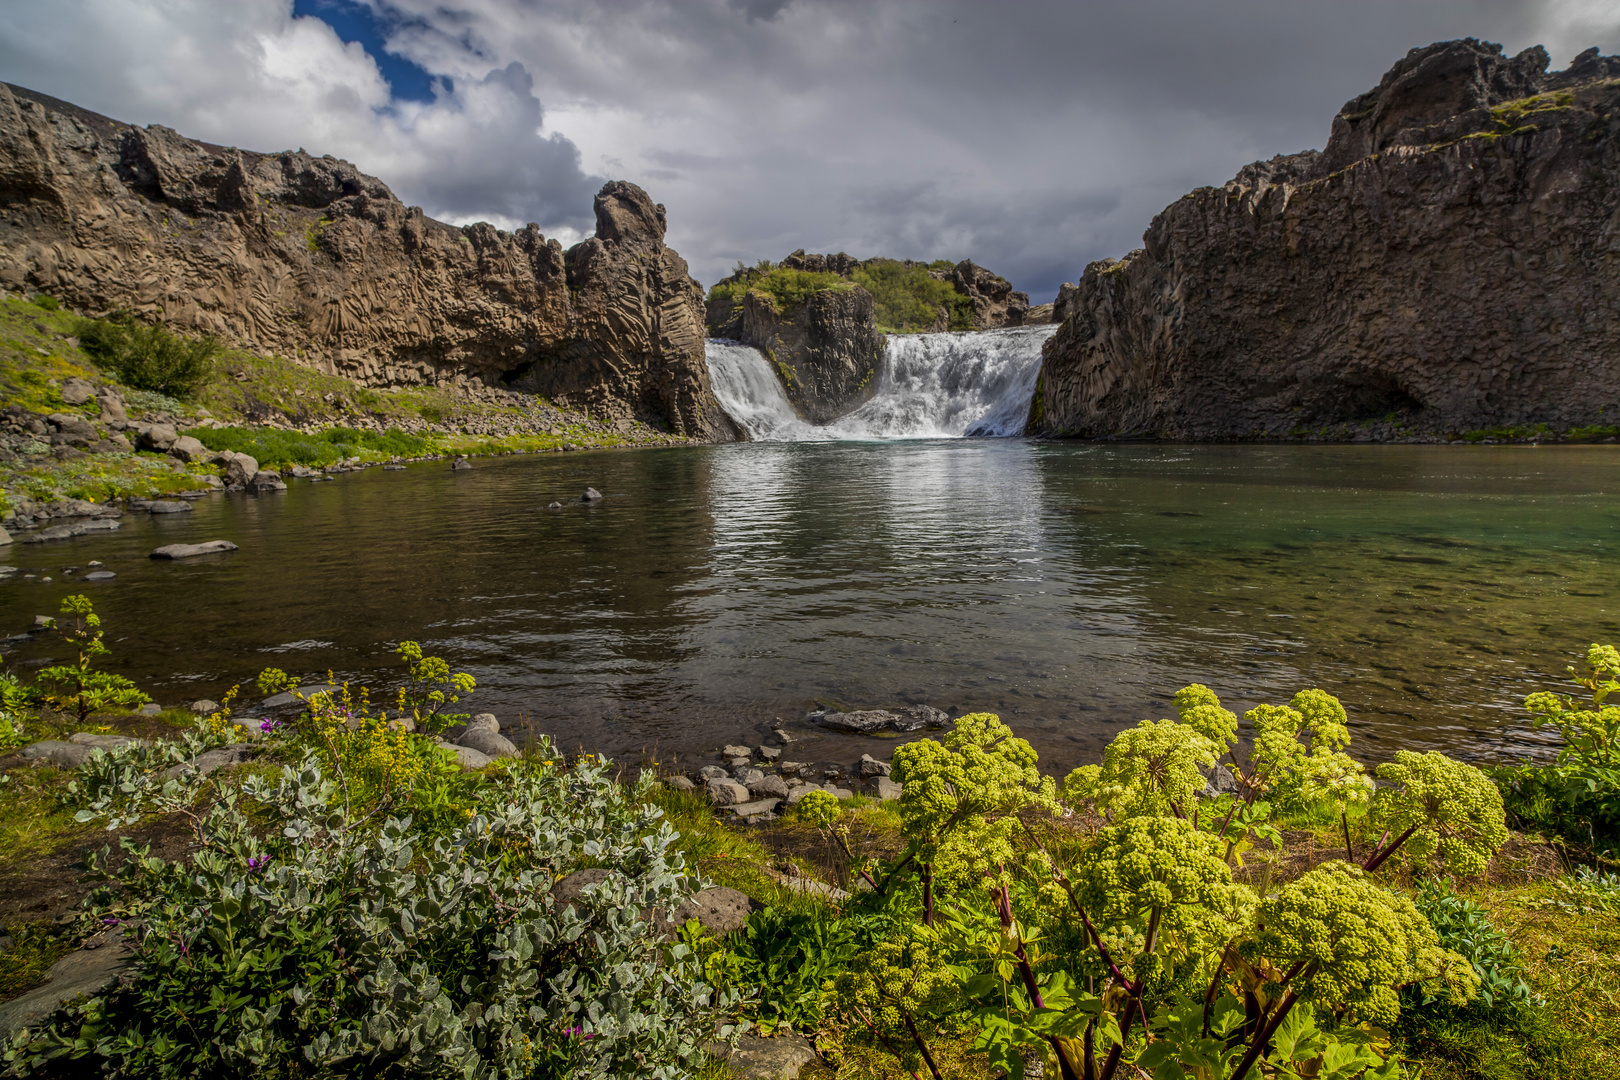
[1070, 587]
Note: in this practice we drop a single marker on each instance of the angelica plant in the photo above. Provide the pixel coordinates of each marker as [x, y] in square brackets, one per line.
[891, 987]
[1434, 805]
[78, 688]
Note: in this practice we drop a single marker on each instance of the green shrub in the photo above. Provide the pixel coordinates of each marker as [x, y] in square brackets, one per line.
[77, 687]
[149, 357]
[274, 447]
[1578, 795]
[908, 300]
[49, 303]
[307, 941]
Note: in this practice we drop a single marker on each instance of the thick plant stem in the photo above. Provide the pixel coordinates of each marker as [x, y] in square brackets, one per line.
[1344, 819]
[849, 860]
[1214, 987]
[887, 1045]
[928, 894]
[1003, 897]
[917, 1038]
[1258, 1047]
[1376, 859]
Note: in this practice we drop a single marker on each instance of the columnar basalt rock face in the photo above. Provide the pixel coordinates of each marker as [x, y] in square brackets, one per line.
[828, 349]
[309, 258]
[1448, 263]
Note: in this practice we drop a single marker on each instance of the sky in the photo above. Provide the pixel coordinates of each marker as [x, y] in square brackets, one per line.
[1032, 136]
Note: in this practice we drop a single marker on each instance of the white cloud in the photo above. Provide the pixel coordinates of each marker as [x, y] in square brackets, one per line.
[247, 73]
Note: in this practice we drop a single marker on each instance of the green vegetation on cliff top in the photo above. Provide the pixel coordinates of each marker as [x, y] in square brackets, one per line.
[907, 298]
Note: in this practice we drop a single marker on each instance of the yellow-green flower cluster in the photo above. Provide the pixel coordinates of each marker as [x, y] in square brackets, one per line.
[1453, 809]
[1299, 754]
[1153, 768]
[894, 980]
[1357, 942]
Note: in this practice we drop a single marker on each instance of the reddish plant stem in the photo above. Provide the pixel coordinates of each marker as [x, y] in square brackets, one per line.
[1269, 1029]
[1214, 986]
[917, 1038]
[849, 860]
[887, 1045]
[1344, 819]
[928, 894]
[1376, 859]
[1003, 897]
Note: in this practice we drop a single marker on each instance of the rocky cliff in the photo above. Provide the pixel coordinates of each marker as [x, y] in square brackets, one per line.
[308, 258]
[827, 348]
[1447, 264]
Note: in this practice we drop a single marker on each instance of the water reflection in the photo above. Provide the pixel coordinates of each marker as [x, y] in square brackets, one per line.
[1071, 588]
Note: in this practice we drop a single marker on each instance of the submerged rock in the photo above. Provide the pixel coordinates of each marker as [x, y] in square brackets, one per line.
[191, 551]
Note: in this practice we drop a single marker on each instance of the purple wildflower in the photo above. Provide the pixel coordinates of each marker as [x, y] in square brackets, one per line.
[269, 726]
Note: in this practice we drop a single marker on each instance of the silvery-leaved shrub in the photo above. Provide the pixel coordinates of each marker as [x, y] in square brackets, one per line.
[299, 941]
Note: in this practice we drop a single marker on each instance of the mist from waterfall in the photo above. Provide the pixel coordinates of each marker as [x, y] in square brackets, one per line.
[929, 386]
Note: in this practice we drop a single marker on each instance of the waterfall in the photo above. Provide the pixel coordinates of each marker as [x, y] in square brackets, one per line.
[930, 386]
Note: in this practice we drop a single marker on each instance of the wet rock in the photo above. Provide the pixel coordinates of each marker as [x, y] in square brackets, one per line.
[917, 717]
[5, 537]
[190, 551]
[460, 463]
[393, 468]
[90, 970]
[266, 480]
[770, 753]
[554, 506]
[864, 722]
[168, 506]
[591, 495]
[77, 528]
[100, 575]
[727, 793]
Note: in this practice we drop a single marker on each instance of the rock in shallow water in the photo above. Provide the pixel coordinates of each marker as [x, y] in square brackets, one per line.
[188, 551]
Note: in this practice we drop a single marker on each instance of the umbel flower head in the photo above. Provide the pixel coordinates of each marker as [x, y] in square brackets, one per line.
[979, 769]
[1163, 872]
[1357, 943]
[1153, 768]
[1445, 807]
[896, 979]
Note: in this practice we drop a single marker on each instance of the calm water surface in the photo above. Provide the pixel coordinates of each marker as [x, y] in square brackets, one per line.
[1071, 588]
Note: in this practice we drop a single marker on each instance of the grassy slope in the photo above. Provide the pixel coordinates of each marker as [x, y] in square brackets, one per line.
[38, 350]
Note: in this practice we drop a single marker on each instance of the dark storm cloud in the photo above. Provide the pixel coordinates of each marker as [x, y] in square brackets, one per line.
[1033, 136]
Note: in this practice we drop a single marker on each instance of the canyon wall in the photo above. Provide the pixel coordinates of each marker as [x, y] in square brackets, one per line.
[309, 258]
[1449, 263]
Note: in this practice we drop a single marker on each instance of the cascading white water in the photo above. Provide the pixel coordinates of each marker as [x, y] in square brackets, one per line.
[930, 386]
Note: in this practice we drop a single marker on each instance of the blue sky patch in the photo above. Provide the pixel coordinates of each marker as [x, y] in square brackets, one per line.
[355, 22]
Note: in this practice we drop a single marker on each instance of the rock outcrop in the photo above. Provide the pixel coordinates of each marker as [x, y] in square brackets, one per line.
[1447, 264]
[826, 349]
[309, 258]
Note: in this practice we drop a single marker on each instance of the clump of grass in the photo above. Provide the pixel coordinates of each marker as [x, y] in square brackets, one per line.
[34, 948]
[271, 446]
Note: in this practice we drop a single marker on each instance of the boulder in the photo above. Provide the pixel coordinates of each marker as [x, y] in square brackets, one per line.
[266, 480]
[65, 755]
[460, 463]
[204, 706]
[864, 722]
[88, 971]
[480, 722]
[747, 777]
[719, 910]
[76, 391]
[769, 753]
[591, 495]
[189, 551]
[188, 449]
[490, 743]
[769, 787]
[735, 752]
[5, 537]
[917, 717]
[886, 789]
[241, 468]
[168, 506]
[754, 809]
[106, 742]
[209, 761]
[799, 791]
[870, 766]
[113, 414]
[155, 437]
[681, 783]
[72, 430]
[727, 793]
[713, 772]
[467, 756]
[783, 1057]
[100, 575]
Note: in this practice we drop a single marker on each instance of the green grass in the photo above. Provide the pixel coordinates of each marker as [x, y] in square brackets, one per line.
[274, 447]
[908, 300]
[35, 947]
[787, 288]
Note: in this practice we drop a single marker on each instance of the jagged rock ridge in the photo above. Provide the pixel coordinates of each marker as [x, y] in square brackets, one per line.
[309, 258]
[1446, 264]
